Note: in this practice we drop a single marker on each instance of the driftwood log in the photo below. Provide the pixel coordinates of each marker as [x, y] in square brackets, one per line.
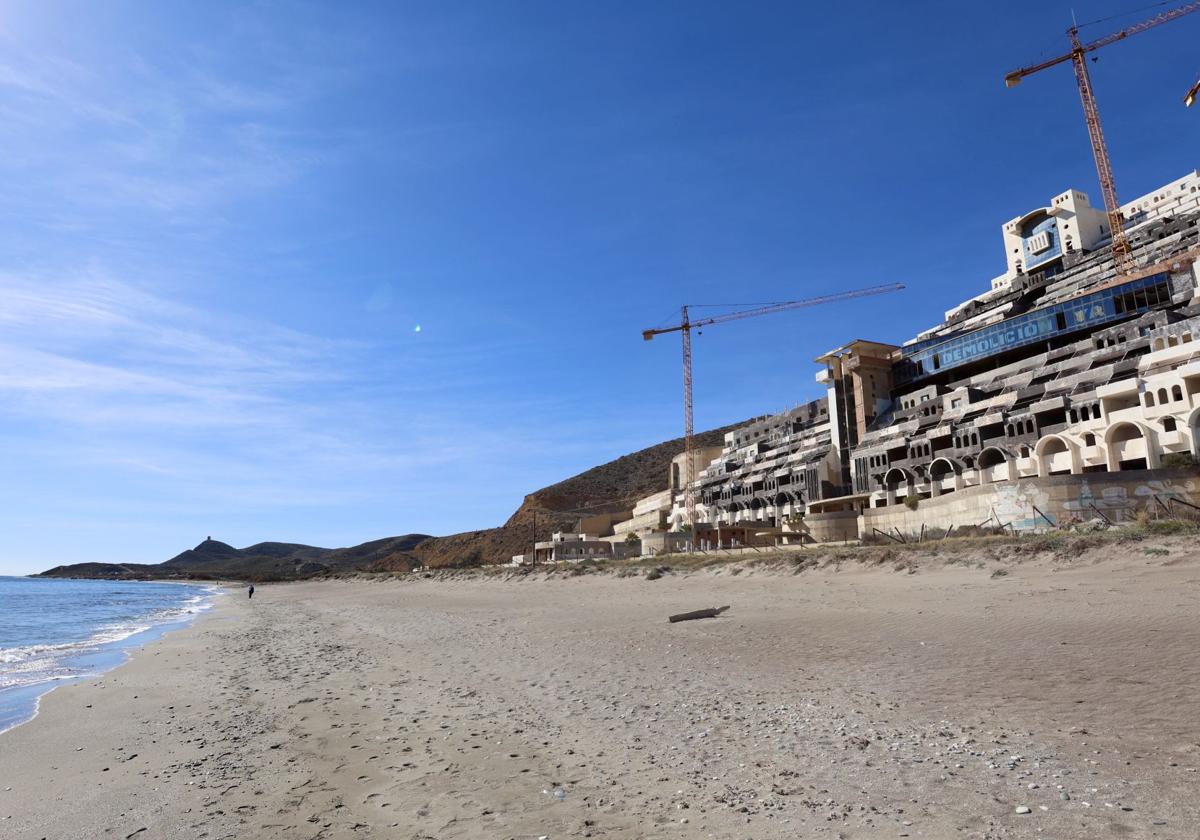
[711, 612]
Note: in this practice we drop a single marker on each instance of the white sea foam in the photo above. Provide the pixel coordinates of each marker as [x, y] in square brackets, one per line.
[44, 663]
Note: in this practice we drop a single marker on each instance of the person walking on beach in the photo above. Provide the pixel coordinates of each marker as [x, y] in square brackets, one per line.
[252, 590]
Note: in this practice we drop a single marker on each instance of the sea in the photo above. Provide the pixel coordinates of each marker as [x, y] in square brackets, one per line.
[53, 631]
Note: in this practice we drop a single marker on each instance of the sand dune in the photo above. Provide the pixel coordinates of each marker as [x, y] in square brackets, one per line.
[855, 703]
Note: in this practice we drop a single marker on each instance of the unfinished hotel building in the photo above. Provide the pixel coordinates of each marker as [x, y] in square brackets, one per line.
[1007, 409]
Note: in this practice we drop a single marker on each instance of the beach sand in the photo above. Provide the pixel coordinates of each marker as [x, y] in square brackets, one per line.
[856, 703]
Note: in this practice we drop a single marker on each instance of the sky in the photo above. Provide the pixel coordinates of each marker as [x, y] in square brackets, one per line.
[328, 272]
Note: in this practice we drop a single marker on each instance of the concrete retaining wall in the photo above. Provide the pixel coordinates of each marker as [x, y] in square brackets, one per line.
[835, 526]
[1037, 504]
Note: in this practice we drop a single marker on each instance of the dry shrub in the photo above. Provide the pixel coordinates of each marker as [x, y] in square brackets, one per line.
[803, 564]
[1171, 527]
[906, 564]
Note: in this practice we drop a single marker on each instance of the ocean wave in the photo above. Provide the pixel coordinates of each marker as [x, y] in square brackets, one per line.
[41, 663]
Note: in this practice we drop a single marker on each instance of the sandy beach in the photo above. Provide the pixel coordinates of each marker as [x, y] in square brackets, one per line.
[852, 703]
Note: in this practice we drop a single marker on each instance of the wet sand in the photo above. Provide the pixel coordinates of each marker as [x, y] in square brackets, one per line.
[860, 703]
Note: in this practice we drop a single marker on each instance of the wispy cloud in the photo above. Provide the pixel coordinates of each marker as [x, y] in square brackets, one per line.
[119, 378]
[98, 350]
[167, 135]
[163, 222]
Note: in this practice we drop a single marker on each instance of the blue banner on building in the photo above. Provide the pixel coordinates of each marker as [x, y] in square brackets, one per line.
[1086, 312]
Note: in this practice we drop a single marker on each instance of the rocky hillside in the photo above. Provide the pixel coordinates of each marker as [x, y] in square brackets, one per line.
[610, 487]
[215, 560]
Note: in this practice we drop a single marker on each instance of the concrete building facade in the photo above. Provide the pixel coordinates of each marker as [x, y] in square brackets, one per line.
[1061, 392]
[1061, 368]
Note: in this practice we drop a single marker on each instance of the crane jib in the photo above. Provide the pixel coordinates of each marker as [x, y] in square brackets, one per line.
[685, 327]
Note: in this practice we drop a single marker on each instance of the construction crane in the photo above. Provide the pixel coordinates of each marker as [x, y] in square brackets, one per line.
[1190, 99]
[1078, 57]
[685, 327]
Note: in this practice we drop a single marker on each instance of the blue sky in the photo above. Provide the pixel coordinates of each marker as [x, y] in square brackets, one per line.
[222, 224]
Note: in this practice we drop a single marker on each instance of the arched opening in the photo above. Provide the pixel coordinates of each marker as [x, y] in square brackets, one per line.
[1176, 393]
[897, 483]
[1168, 424]
[943, 476]
[1054, 457]
[1128, 448]
[755, 509]
[941, 468]
[993, 465]
[1162, 396]
[785, 504]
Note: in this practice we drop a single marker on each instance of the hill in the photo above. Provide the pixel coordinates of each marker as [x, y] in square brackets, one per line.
[608, 488]
[215, 560]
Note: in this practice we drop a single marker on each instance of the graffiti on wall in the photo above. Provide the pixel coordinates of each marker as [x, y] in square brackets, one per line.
[1017, 505]
[1116, 502]
[1167, 490]
[1026, 507]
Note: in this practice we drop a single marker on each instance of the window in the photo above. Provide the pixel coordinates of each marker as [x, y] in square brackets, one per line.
[1168, 424]
[1176, 393]
[1089, 439]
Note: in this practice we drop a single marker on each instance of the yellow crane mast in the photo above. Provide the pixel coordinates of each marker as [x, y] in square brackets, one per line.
[685, 327]
[1078, 57]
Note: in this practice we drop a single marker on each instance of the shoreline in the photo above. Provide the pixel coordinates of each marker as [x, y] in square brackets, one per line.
[21, 704]
[854, 703]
